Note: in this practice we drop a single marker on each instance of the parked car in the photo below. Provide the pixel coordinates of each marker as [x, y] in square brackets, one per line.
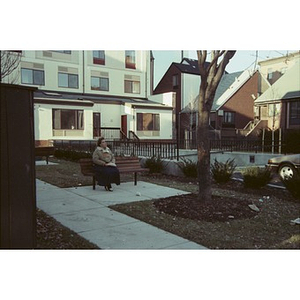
[286, 166]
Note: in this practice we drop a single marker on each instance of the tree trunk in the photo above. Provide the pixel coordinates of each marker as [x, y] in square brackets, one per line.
[210, 78]
[203, 151]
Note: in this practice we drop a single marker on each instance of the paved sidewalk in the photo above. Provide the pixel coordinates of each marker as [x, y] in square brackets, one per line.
[86, 212]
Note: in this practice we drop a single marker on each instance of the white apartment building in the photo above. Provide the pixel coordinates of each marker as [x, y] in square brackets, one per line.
[82, 95]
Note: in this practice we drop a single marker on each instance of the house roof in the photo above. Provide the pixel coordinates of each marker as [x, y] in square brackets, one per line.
[232, 89]
[286, 87]
[189, 66]
[228, 85]
[226, 81]
[78, 99]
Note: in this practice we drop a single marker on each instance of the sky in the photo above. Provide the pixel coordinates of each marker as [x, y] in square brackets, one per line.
[243, 59]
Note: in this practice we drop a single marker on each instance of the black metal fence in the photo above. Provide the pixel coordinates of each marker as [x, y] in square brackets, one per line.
[148, 149]
[137, 148]
[169, 150]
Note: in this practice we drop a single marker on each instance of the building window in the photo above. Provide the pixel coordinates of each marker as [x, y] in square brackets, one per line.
[270, 74]
[228, 119]
[62, 51]
[68, 80]
[175, 81]
[67, 119]
[148, 122]
[130, 59]
[99, 84]
[294, 118]
[32, 76]
[132, 86]
[99, 57]
[273, 109]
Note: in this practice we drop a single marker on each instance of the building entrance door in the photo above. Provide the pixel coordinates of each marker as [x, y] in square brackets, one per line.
[96, 125]
[124, 124]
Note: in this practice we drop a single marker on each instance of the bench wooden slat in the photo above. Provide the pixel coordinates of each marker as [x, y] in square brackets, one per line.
[124, 164]
[128, 170]
[45, 151]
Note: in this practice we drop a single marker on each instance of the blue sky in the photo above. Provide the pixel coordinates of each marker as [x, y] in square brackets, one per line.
[242, 60]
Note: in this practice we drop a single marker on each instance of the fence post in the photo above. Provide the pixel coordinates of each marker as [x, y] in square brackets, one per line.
[263, 140]
[279, 141]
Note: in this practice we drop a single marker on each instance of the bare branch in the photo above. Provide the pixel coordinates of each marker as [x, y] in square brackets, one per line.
[201, 62]
[217, 71]
[9, 62]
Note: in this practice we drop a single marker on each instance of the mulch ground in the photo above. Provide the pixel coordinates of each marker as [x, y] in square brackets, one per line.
[218, 209]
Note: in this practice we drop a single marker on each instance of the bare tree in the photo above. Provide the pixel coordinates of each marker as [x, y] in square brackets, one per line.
[9, 61]
[211, 75]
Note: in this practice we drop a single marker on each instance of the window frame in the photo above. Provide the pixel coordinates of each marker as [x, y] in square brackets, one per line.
[78, 119]
[141, 119]
[229, 119]
[69, 76]
[175, 80]
[294, 116]
[33, 76]
[63, 51]
[99, 57]
[100, 79]
[134, 86]
[270, 74]
[130, 59]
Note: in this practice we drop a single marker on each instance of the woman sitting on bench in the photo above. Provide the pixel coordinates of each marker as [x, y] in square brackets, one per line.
[106, 171]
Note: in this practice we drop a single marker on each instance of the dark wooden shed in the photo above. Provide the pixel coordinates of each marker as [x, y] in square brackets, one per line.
[18, 189]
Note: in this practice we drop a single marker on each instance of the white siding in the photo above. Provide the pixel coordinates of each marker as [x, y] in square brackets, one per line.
[43, 123]
[190, 88]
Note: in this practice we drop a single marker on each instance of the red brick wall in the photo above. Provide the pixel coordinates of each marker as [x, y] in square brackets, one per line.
[242, 103]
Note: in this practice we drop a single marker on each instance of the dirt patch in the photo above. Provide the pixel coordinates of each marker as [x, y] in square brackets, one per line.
[219, 209]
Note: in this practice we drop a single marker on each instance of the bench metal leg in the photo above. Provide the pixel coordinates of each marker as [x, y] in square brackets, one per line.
[94, 183]
[135, 178]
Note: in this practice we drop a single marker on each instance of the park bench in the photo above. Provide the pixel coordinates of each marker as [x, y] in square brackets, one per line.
[130, 164]
[44, 152]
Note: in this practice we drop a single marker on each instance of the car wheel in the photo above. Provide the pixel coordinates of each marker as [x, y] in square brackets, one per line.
[286, 171]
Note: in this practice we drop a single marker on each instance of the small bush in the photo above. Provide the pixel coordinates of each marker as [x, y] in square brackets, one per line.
[255, 177]
[188, 167]
[154, 164]
[293, 185]
[71, 154]
[222, 172]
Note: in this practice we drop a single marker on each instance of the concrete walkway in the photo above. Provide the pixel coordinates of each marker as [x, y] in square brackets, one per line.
[86, 212]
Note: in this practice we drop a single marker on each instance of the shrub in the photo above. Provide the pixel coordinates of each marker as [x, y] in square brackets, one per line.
[222, 172]
[71, 154]
[188, 167]
[293, 185]
[154, 164]
[255, 177]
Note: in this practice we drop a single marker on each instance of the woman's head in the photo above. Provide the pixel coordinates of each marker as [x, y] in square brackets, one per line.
[101, 142]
